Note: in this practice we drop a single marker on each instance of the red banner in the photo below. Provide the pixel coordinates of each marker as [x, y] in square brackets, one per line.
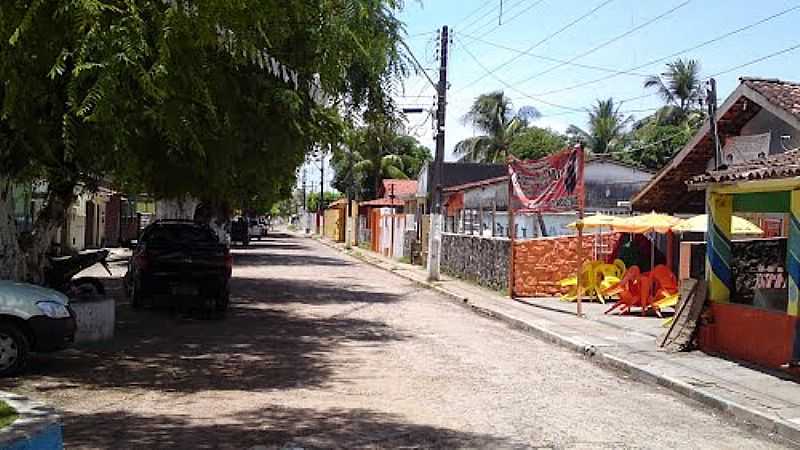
[551, 184]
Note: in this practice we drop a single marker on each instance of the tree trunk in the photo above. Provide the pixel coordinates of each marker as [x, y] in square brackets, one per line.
[35, 246]
[10, 262]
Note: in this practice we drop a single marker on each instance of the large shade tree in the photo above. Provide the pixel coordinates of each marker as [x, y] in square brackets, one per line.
[177, 98]
[493, 115]
[607, 128]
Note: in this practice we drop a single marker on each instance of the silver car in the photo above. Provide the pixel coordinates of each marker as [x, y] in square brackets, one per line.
[32, 318]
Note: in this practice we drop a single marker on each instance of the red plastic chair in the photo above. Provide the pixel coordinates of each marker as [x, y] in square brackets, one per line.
[628, 290]
[666, 286]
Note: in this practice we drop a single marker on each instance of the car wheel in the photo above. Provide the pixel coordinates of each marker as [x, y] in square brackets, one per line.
[223, 301]
[14, 349]
[136, 296]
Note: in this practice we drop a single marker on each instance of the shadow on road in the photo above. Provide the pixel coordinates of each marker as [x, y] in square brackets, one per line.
[253, 258]
[274, 427]
[312, 292]
[258, 346]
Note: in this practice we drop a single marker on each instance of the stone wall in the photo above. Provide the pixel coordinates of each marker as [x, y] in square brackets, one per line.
[541, 263]
[481, 260]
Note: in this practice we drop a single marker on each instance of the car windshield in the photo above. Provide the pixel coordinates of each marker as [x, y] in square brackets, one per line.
[179, 233]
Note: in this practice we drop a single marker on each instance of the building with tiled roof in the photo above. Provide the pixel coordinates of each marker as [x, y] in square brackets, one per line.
[781, 165]
[397, 188]
[760, 118]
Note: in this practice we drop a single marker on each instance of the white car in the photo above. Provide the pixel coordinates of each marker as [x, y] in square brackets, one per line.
[32, 318]
[256, 229]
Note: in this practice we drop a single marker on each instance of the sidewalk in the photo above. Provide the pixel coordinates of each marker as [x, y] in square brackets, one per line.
[627, 343]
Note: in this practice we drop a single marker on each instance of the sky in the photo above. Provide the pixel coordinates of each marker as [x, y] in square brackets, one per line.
[620, 35]
[596, 37]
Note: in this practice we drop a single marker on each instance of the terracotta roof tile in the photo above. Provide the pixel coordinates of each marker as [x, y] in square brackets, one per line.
[785, 94]
[380, 202]
[401, 187]
[782, 165]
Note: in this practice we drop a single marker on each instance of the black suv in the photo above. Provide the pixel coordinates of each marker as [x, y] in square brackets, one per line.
[179, 260]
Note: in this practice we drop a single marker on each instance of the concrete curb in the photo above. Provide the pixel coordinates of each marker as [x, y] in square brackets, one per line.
[37, 427]
[764, 422]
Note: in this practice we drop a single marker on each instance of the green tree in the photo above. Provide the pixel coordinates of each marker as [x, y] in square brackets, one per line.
[494, 116]
[680, 87]
[176, 98]
[536, 143]
[653, 143]
[607, 128]
[371, 154]
[313, 199]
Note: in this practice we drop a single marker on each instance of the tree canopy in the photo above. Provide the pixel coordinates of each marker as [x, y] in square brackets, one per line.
[372, 153]
[217, 99]
[536, 143]
[494, 116]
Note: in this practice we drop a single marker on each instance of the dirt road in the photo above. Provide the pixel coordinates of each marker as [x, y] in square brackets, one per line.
[323, 351]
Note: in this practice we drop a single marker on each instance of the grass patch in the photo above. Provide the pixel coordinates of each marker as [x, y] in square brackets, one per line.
[7, 414]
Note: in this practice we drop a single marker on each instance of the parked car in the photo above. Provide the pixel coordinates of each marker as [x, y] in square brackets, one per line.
[240, 232]
[256, 229]
[32, 318]
[179, 260]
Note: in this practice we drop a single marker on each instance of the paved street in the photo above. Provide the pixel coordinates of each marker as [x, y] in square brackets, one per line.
[323, 351]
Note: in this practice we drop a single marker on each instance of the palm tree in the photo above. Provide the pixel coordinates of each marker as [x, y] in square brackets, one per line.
[373, 153]
[680, 87]
[494, 116]
[607, 128]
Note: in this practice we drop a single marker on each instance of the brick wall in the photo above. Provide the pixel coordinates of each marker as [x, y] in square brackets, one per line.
[541, 263]
[481, 260]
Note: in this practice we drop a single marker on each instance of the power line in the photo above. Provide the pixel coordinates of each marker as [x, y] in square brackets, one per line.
[757, 60]
[477, 61]
[571, 109]
[483, 6]
[609, 42]
[551, 59]
[512, 18]
[678, 53]
[652, 144]
[537, 44]
[480, 18]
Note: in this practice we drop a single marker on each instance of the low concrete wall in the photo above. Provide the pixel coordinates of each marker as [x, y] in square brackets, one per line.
[478, 259]
[37, 427]
[94, 319]
[541, 263]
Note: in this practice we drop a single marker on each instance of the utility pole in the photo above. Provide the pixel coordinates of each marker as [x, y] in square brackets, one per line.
[305, 202]
[393, 216]
[435, 187]
[711, 99]
[441, 107]
[320, 206]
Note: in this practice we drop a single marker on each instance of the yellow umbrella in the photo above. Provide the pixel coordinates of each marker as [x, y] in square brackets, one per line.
[597, 221]
[653, 222]
[649, 223]
[699, 224]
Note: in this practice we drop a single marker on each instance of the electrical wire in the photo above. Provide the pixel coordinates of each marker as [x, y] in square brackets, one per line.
[483, 6]
[570, 109]
[511, 19]
[548, 58]
[608, 42]
[481, 18]
[678, 53]
[537, 44]
[757, 60]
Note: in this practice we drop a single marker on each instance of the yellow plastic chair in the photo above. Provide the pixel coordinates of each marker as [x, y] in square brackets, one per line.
[598, 277]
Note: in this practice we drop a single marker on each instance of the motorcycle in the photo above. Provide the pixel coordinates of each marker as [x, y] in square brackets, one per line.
[62, 270]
